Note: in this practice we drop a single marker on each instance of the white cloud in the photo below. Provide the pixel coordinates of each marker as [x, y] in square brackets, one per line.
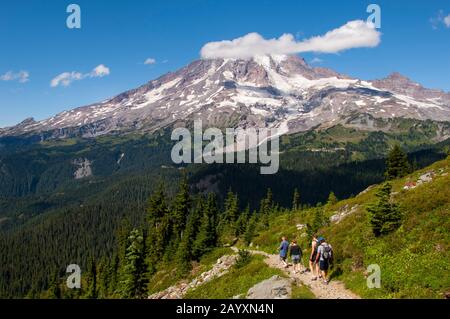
[354, 34]
[316, 60]
[99, 71]
[66, 78]
[447, 21]
[439, 19]
[21, 76]
[150, 61]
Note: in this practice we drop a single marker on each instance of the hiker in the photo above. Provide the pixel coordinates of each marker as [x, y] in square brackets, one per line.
[295, 252]
[284, 247]
[312, 258]
[324, 257]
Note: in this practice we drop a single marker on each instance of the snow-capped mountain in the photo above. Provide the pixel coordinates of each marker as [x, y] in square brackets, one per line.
[272, 91]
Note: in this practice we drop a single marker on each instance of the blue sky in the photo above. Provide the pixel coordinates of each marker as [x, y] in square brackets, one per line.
[121, 35]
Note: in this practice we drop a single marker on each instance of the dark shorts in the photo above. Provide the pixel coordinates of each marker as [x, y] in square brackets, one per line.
[313, 258]
[295, 259]
[323, 265]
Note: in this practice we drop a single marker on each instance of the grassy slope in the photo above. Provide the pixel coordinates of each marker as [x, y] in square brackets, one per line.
[414, 260]
[167, 274]
[236, 282]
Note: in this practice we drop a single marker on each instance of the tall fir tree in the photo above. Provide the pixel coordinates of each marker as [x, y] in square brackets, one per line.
[228, 219]
[241, 223]
[296, 200]
[266, 208]
[181, 208]
[54, 289]
[332, 199]
[384, 215]
[158, 240]
[251, 229]
[159, 227]
[133, 277]
[122, 234]
[185, 252]
[231, 206]
[104, 277]
[319, 219]
[397, 164]
[114, 269]
[91, 291]
[206, 238]
[157, 206]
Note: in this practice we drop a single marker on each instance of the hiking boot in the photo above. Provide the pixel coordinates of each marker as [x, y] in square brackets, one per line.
[326, 282]
[314, 278]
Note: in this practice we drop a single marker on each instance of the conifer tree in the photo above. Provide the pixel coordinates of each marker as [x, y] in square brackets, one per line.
[250, 230]
[207, 236]
[266, 208]
[160, 227]
[133, 272]
[157, 207]
[158, 241]
[269, 200]
[384, 215]
[397, 164]
[91, 281]
[114, 269]
[185, 252]
[228, 220]
[123, 233]
[319, 219]
[332, 199]
[104, 278]
[296, 200]
[181, 208]
[54, 289]
[241, 224]
[231, 207]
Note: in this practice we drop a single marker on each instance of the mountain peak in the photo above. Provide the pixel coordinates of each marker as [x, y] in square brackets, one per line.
[398, 76]
[280, 91]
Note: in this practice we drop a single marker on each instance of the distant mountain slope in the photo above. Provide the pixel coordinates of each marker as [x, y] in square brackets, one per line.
[273, 91]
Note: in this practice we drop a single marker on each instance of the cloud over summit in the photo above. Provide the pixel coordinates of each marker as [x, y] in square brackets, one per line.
[353, 34]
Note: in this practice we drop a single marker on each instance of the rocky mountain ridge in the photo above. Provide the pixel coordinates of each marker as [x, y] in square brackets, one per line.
[265, 91]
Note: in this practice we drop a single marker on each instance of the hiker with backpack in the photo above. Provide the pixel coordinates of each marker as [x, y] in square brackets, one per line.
[295, 252]
[284, 247]
[324, 258]
[313, 266]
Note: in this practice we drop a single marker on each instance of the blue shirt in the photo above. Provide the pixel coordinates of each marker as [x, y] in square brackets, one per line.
[284, 247]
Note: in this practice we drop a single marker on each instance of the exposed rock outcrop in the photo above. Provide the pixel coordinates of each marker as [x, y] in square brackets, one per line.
[275, 287]
[84, 168]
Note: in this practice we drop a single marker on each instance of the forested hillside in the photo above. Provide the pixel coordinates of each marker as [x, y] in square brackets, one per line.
[178, 231]
[52, 216]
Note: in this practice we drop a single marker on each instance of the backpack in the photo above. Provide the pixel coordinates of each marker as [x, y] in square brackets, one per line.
[327, 252]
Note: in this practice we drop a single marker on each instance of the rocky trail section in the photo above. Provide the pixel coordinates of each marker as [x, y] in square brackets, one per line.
[334, 290]
[275, 287]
